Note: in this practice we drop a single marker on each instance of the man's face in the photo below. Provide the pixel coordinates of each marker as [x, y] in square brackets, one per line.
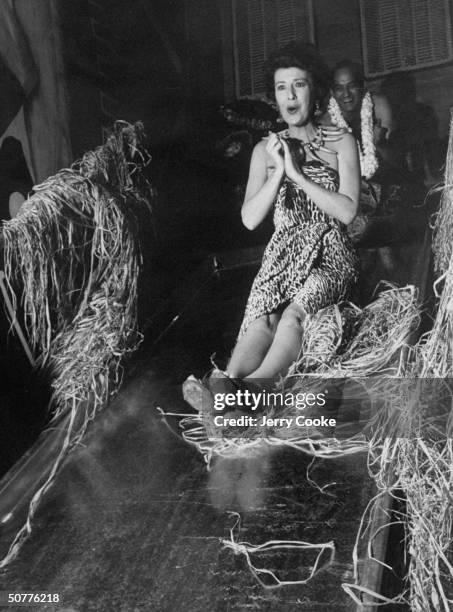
[347, 91]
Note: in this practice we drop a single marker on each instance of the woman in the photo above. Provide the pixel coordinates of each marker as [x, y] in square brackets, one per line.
[309, 262]
[309, 177]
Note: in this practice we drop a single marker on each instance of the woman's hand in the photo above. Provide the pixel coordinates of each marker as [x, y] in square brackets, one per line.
[274, 149]
[291, 171]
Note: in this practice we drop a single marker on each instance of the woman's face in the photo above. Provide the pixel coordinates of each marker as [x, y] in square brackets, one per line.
[293, 94]
[347, 91]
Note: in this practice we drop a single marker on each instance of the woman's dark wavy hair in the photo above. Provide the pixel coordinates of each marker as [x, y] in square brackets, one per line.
[305, 57]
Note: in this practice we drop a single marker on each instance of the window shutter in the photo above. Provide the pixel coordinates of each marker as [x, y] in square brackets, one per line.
[405, 35]
[259, 27]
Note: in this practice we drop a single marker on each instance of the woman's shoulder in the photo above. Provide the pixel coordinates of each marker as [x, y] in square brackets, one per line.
[260, 146]
[260, 152]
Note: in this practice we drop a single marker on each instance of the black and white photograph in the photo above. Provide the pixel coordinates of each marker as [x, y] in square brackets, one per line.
[226, 288]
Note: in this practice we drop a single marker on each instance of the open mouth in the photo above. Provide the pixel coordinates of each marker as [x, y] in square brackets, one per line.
[292, 109]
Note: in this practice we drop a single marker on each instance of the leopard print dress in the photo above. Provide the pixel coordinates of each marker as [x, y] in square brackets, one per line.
[309, 260]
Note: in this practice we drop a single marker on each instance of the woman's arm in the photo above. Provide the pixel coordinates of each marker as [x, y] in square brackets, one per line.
[262, 189]
[341, 205]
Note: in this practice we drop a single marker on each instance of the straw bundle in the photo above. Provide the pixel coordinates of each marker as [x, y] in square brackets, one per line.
[326, 334]
[443, 227]
[412, 450]
[74, 252]
[435, 350]
[422, 470]
[425, 461]
[344, 341]
[435, 356]
[68, 233]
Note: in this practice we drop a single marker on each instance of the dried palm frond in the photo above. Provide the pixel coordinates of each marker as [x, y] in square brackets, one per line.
[326, 334]
[73, 255]
[412, 450]
[443, 226]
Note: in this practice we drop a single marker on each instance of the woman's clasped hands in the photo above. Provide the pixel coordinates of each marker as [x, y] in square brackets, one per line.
[279, 150]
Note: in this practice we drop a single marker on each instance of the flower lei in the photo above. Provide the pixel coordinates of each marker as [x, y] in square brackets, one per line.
[367, 151]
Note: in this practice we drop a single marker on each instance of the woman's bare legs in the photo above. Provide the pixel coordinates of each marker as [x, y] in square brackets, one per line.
[252, 347]
[285, 346]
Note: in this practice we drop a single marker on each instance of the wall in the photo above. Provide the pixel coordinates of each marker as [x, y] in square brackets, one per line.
[337, 25]
[338, 36]
[174, 62]
[435, 88]
[134, 53]
[338, 30]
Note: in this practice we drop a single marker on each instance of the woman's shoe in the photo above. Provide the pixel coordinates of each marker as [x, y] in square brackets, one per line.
[249, 396]
[201, 399]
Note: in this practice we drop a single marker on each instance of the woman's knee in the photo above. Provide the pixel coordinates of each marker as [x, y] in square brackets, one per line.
[293, 316]
[266, 323]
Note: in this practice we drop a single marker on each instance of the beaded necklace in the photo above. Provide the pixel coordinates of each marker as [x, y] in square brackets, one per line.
[313, 144]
